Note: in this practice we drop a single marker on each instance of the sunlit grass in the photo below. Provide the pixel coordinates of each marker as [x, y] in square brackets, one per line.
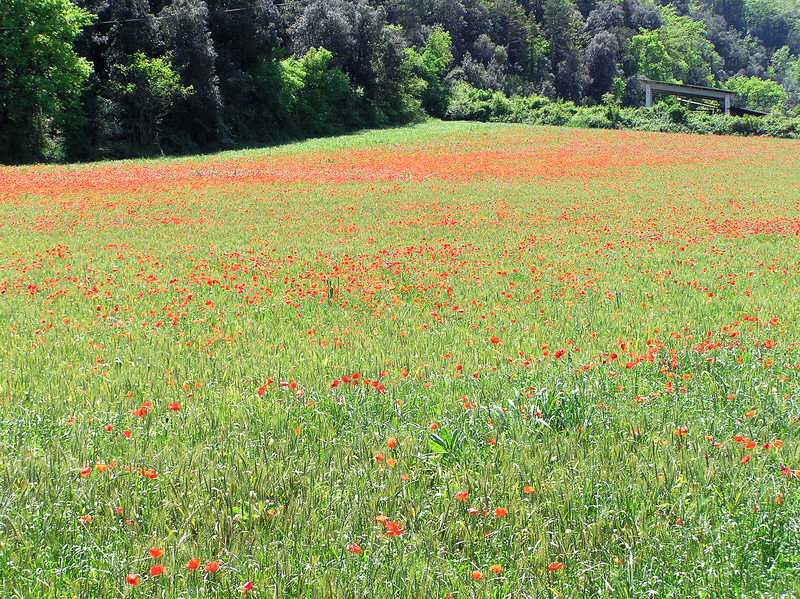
[574, 326]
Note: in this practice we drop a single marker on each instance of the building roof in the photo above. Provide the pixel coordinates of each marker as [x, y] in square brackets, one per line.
[679, 85]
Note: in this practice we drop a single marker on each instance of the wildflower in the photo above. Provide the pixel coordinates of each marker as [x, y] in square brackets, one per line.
[477, 575]
[746, 458]
[496, 568]
[174, 406]
[393, 529]
[247, 587]
[132, 579]
[155, 552]
[528, 489]
[212, 567]
[354, 548]
[555, 566]
[391, 442]
[462, 495]
[433, 426]
[193, 563]
[501, 512]
[156, 570]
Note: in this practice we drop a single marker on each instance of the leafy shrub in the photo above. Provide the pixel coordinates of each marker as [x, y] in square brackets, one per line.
[318, 94]
[473, 104]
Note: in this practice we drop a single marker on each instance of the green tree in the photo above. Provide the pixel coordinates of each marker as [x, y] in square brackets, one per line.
[318, 93]
[146, 90]
[431, 65]
[785, 69]
[771, 20]
[652, 57]
[41, 76]
[757, 93]
[677, 51]
[563, 26]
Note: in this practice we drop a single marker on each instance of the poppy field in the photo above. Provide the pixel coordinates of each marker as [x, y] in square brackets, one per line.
[451, 360]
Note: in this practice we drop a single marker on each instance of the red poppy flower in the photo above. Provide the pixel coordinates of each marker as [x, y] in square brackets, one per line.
[155, 552]
[132, 579]
[193, 563]
[247, 587]
[477, 575]
[555, 566]
[393, 529]
[157, 570]
[501, 512]
[212, 567]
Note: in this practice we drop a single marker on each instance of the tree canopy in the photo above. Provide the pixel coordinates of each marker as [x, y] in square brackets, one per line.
[98, 78]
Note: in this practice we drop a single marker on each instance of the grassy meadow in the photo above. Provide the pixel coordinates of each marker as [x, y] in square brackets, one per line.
[444, 361]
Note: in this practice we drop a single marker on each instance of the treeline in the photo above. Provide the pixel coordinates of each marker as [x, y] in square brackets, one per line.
[87, 79]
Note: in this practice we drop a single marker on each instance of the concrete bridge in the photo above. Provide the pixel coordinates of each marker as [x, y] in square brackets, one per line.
[651, 86]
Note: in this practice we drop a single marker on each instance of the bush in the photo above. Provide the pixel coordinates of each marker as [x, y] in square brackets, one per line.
[318, 95]
[472, 104]
[468, 103]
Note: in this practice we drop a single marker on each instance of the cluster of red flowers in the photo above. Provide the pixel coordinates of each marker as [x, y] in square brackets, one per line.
[193, 564]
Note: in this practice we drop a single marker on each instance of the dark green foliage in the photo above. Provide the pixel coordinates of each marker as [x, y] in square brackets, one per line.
[196, 75]
[318, 94]
[40, 74]
[184, 35]
[145, 90]
[469, 103]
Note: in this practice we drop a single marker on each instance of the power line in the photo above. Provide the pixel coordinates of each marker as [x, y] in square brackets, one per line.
[136, 20]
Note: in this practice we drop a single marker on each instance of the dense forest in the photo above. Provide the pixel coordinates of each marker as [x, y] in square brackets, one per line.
[86, 79]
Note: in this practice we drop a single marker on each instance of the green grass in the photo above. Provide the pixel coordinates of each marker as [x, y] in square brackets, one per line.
[400, 255]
